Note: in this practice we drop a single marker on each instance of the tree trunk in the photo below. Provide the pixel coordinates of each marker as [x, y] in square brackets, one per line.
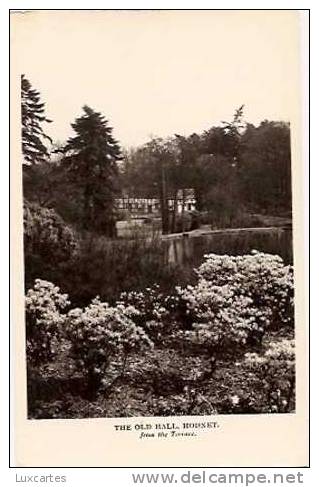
[163, 202]
[183, 210]
[173, 226]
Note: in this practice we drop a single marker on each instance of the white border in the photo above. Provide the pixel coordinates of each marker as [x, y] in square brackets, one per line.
[80, 477]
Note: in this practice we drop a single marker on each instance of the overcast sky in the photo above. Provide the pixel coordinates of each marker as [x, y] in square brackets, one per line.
[159, 73]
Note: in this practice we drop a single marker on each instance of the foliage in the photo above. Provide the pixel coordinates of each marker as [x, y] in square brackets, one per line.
[265, 175]
[99, 333]
[152, 312]
[44, 321]
[48, 242]
[40, 182]
[32, 116]
[262, 277]
[223, 208]
[276, 368]
[90, 164]
[236, 300]
[253, 163]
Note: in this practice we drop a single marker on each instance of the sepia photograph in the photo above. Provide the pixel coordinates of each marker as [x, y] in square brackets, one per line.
[156, 172]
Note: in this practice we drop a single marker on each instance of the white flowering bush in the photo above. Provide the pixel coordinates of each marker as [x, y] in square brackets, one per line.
[151, 311]
[276, 369]
[44, 305]
[100, 333]
[236, 300]
[222, 320]
[262, 277]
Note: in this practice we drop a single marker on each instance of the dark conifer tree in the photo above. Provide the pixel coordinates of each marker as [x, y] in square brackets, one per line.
[32, 116]
[91, 162]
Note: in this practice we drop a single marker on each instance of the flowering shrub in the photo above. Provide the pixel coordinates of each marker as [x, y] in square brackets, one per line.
[152, 312]
[236, 300]
[262, 277]
[276, 369]
[149, 303]
[226, 329]
[44, 320]
[99, 333]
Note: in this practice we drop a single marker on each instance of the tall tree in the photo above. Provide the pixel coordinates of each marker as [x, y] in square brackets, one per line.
[91, 165]
[234, 130]
[153, 170]
[190, 148]
[266, 167]
[32, 116]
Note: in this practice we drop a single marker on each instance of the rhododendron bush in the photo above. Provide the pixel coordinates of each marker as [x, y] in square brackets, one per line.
[276, 368]
[99, 333]
[237, 299]
[49, 242]
[264, 278]
[153, 311]
[44, 305]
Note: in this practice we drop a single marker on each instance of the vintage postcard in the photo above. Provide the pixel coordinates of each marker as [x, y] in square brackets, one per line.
[158, 176]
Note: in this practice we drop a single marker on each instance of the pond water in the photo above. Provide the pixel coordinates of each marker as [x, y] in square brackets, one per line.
[192, 246]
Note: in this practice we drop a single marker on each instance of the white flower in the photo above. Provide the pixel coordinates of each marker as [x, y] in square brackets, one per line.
[234, 400]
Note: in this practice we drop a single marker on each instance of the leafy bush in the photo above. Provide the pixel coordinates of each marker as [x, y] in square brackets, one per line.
[44, 321]
[223, 207]
[236, 300]
[184, 223]
[221, 321]
[276, 369]
[153, 311]
[48, 242]
[99, 333]
[262, 277]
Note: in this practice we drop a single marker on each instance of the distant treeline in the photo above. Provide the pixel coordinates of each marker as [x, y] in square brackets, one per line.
[234, 168]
